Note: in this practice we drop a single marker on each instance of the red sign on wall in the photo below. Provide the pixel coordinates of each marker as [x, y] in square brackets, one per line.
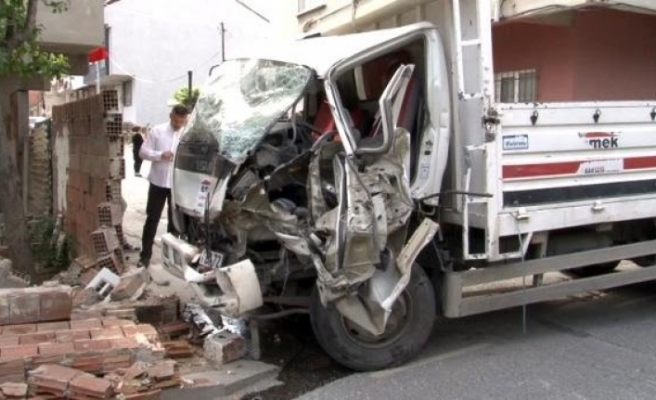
[98, 54]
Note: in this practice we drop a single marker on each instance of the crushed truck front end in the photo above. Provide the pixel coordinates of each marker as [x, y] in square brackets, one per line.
[278, 201]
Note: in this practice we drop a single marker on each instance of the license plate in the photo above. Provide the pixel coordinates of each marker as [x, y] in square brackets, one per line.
[215, 260]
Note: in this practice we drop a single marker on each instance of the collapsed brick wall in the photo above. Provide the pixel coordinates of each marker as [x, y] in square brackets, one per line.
[88, 163]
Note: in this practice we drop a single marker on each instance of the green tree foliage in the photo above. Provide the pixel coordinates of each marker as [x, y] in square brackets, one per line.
[19, 53]
[183, 96]
[20, 57]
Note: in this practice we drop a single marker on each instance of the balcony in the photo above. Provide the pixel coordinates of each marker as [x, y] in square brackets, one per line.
[74, 32]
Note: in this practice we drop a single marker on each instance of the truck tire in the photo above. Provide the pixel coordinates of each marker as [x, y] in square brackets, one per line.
[408, 329]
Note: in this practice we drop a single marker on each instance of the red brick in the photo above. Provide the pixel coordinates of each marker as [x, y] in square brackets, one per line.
[14, 391]
[93, 323]
[93, 344]
[24, 308]
[56, 348]
[7, 353]
[52, 326]
[108, 322]
[148, 331]
[114, 332]
[128, 287]
[36, 338]
[124, 343]
[130, 330]
[19, 329]
[39, 360]
[72, 335]
[175, 329]
[9, 340]
[87, 362]
[4, 311]
[53, 378]
[55, 306]
[17, 378]
[90, 386]
[122, 359]
[12, 367]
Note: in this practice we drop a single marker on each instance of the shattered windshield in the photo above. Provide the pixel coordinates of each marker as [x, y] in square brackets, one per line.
[242, 100]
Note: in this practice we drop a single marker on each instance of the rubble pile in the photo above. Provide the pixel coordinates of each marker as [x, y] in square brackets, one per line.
[98, 340]
[96, 331]
[146, 379]
[142, 381]
[94, 346]
[8, 278]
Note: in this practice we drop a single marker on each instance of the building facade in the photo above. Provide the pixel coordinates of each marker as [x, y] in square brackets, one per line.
[152, 47]
[543, 51]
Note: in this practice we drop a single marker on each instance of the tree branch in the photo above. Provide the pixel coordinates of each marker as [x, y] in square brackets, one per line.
[23, 33]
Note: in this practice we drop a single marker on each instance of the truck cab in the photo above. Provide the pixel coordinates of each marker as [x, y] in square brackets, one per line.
[301, 173]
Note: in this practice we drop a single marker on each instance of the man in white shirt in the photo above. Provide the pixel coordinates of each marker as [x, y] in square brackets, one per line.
[159, 148]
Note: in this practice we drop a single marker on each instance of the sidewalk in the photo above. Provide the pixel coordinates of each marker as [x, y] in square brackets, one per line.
[135, 192]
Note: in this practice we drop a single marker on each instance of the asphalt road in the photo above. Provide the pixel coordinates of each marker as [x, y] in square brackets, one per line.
[599, 346]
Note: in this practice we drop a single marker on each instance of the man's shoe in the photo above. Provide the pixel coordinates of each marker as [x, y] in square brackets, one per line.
[138, 174]
[143, 263]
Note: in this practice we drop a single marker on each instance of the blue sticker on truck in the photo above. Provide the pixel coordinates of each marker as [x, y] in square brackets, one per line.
[515, 142]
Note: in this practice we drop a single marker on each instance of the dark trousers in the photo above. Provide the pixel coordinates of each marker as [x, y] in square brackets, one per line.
[157, 196]
[137, 163]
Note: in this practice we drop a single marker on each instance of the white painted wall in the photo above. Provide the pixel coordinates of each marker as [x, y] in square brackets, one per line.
[157, 42]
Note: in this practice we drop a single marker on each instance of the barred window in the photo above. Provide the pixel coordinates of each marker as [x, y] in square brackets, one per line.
[127, 93]
[516, 86]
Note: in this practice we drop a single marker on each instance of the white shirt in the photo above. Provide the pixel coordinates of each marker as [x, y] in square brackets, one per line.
[160, 139]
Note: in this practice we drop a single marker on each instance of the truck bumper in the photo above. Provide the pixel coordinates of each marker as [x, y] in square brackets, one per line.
[233, 289]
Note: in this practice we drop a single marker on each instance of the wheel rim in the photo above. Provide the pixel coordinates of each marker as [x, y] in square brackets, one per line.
[397, 325]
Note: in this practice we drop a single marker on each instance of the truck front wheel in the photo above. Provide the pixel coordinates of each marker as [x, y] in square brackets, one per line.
[408, 329]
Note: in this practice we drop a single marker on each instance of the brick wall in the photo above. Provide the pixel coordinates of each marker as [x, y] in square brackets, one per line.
[89, 131]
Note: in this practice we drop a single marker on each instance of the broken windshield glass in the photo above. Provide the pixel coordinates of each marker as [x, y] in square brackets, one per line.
[243, 99]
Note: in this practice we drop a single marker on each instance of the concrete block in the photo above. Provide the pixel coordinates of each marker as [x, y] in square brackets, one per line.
[224, 347]
[55, 306]
[24, 308]
[104, 240]
[128, 287]
[225, 381]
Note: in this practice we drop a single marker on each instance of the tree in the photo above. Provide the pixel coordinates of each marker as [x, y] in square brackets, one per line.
[20, 57]
[182, 96]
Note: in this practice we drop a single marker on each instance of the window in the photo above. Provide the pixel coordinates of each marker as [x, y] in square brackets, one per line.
[127, 93]
[516, 86]
[307, 5]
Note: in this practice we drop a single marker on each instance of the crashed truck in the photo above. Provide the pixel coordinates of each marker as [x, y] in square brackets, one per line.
[372, 181]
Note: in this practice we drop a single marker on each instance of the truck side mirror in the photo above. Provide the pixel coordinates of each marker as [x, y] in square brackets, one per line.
[390, 105]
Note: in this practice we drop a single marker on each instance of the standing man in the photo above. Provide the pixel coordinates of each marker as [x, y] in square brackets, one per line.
[159, 148]
[137, 142]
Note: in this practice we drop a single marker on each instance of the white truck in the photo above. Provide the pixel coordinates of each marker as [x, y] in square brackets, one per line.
[372, 181]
